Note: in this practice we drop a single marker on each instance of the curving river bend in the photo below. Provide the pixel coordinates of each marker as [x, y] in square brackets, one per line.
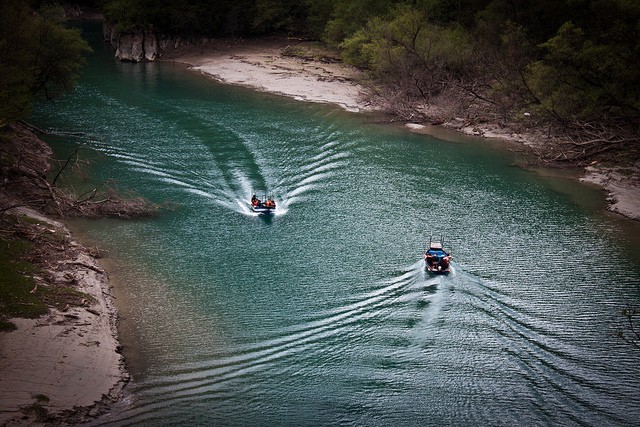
[323, 314]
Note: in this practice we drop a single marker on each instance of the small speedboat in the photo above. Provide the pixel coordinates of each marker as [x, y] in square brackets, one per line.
[266, 205]
[437, 259]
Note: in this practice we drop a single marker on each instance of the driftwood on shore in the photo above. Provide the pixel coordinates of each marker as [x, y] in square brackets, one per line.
[588, 141]
[77, 330]
[77, 333]
[25, 182]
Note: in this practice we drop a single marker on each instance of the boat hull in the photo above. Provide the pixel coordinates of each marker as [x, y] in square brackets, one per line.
[438, 270]
[263, 210]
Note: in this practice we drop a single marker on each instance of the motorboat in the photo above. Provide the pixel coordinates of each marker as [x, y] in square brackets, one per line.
[438, 260]
[265, 205]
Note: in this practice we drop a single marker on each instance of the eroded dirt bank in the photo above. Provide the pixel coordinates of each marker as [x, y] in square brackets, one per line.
[64, 365]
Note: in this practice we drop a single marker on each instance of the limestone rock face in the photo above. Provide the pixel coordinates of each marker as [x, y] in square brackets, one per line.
[133, 46]
[151, 47]
[144, 44]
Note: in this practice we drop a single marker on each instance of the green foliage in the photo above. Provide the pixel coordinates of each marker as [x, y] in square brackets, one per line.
[586, 76]
[408, 51]
[17, 33]
[350, 16]
[280, 16]
[20, 295]
[128, 14]
[272, 15]
[16, 282]
[183, 17]
[462, 12]
[319, 13]
[6, 326]
[358, 49]
[59, 59]
[41, 398]
[37, 410]
[575, 59]
[540, 18]
[37, 57]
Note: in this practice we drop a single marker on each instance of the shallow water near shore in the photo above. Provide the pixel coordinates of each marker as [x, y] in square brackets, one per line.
[323, 313]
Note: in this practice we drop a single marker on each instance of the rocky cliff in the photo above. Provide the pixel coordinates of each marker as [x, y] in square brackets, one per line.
[139, 45]
[134, 46]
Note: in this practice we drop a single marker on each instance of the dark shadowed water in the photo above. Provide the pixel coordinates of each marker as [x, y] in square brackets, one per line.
[323, 314]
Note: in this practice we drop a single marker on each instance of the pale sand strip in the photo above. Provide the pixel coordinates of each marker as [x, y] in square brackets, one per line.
[72, 358]
[261, 65]
[622, 187]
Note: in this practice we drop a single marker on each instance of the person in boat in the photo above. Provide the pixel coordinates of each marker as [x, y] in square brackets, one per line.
[432, 260]
[270, 204]
[444, 262]
[255, 201]
[437, 261]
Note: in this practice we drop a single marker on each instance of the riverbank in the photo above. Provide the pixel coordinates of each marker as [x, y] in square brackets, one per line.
[64, 365]
[298, 69]
[289, 67]
[67, 364]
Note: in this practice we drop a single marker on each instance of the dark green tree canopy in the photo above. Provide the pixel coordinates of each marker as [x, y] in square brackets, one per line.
[38, 57]
[565, 59]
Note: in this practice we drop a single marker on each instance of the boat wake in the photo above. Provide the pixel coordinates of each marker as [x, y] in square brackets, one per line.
[227, 168]
[316, 340]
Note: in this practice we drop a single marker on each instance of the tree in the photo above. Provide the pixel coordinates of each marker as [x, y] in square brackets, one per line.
[183, 17]
[461, 12]
[408, 52]
[584, 78]
[37, 57]
[573, 61]
[17, 32]
[350, 16]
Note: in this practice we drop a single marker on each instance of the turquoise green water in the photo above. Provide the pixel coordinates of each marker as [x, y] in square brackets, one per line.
[323, 314]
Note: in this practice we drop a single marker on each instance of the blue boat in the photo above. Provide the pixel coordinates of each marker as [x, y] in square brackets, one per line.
[438, 260]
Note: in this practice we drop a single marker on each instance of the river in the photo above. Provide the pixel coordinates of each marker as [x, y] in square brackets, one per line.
[323, 314]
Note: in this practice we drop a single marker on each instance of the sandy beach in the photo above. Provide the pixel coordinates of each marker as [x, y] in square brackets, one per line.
[67, 363]
[622, 186]
[263, 65]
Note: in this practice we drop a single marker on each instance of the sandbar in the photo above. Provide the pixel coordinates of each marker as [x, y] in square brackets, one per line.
[67, 362]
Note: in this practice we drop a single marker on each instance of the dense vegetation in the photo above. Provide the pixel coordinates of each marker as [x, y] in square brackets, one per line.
[38, 57]
[566, 65]
[26, 247]
[569, 64]
[41, 59]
